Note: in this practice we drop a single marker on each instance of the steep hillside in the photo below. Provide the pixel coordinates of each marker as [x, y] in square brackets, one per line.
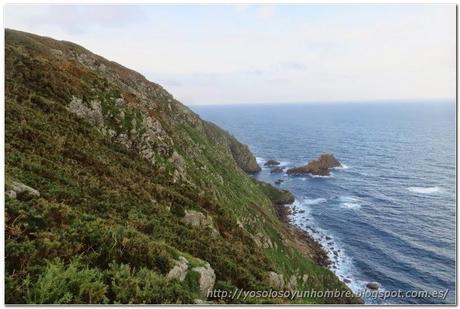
[118, 193]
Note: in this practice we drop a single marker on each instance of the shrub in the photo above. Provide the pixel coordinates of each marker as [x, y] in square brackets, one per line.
[71, 284]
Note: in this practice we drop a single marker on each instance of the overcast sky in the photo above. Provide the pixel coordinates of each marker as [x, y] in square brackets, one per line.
[216, 54]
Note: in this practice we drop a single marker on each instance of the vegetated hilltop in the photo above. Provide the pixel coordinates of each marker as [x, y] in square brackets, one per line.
[118, 193]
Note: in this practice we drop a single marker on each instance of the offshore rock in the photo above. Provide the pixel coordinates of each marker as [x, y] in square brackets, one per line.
[320, 167]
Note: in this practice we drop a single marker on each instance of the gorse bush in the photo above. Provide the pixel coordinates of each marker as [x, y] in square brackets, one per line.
[70, 284]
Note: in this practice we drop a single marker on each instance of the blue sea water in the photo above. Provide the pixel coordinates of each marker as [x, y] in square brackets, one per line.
[390, 212]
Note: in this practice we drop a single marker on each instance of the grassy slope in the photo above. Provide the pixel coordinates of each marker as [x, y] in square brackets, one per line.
[107, 227]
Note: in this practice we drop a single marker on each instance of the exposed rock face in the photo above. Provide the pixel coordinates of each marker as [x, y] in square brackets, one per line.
[244, 158]
[319, 167]
[207, 279]
[240, 152]
[179, 271]
[271, 163]
[275, 280]
[20, 190]
[196, 218]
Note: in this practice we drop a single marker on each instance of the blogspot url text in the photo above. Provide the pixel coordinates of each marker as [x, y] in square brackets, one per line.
[376, 294]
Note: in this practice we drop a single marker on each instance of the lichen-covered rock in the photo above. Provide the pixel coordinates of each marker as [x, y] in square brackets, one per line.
[179, 163]
[207, 279]
[198, 219]
[291, 283]
[262, 240]
[179, 271]
[18, 189]
[91, 112]
[275, 280]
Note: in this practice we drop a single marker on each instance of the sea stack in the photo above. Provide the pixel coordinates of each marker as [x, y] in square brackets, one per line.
[320, 167]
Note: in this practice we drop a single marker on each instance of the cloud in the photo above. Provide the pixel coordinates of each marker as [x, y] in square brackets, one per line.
[233, 53]
[266, 11]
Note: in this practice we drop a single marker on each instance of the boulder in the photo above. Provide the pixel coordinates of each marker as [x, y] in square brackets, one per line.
[207, 279]
[279, 181]
[373, 286]
[275, 280]
[271, 163]
[18, 190]
[179, 271]
[276, 170]
[320, 167]
[198, 219]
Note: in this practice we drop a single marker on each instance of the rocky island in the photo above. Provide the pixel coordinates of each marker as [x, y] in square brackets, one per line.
[118, 193]
[320, 167]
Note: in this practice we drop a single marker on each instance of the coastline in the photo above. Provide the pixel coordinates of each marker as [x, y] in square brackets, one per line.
[303, 241]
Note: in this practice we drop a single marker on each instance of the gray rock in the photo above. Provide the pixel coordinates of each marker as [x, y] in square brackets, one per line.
[17, 188]
[373, 286]
[198, 219]
[207, 279]
[271, 163]
[275, 280]
[179, 271]
[276, 170]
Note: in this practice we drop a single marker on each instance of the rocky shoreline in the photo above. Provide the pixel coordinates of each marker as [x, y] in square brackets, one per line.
[315, 250]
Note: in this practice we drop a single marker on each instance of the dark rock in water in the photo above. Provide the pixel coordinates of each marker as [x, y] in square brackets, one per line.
[373, 286]
[276, 170]
[279, 181]
[301, 211]
[320, 167]
[336, 253]
[271, 163]
[328, 238]
[347, 280]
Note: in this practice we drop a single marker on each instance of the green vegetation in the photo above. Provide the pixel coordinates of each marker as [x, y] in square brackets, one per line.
[107, 226]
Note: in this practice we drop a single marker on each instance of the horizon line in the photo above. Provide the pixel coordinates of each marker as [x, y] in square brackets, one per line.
[376, 101]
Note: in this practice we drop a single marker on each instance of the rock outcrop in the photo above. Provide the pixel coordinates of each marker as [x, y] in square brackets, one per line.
[276, 170]
[198, 219]
[240, 152]
[21, 191]
[271, 163]
[179, 271]
[320, 167]
[207, 279]
[373, 286]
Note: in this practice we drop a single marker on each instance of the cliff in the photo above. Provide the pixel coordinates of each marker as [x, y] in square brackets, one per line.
[118, 193]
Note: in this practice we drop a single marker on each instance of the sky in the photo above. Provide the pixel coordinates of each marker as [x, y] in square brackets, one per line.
[227, 54]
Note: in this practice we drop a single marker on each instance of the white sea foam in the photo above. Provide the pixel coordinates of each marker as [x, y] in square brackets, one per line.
[424, 190]
[344, 267]
[343, 167]
[321, 176]
[314, 201]
[260, 160]
[349, 202]
[350, 205]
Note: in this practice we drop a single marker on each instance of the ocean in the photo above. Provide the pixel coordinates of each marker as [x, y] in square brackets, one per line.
[389, 213]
